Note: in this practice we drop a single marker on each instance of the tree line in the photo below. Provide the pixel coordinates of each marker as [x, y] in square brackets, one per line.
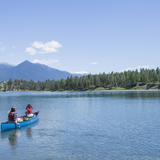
[126, 80]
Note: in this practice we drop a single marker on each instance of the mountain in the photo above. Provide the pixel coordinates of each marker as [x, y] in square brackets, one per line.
[4, 71]
[31, 71]
[5, 66]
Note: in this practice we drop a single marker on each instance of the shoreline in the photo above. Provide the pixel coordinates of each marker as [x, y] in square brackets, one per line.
[95, 90]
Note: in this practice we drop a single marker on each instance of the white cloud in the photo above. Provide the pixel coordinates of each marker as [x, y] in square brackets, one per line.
[94, 63]
[43, 47]
[31, 51]
[51, 62]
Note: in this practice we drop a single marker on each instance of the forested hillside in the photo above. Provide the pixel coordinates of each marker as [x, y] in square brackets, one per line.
[142, 79]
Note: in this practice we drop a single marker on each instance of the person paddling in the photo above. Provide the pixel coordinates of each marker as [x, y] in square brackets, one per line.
[13, 116]
[29, 111]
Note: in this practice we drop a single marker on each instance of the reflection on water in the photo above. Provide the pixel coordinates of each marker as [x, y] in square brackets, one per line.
[107, 93]
[107, 125]
[29, 132]
[15, 134]
[12, 137]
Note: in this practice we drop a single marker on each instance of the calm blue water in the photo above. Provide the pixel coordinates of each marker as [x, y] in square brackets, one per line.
[84, 126]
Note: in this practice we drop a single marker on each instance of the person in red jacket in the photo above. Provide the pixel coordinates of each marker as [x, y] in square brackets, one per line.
[29, 111]
[12, 115]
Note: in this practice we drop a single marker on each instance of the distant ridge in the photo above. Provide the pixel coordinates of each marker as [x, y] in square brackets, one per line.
[31, 71]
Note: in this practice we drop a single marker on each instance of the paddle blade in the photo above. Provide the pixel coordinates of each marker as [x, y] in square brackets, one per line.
[36, 113]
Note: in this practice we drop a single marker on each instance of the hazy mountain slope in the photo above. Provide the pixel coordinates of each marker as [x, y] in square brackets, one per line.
[31, 71]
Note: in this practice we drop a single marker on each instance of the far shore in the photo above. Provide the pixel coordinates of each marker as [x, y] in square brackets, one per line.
[89, 90]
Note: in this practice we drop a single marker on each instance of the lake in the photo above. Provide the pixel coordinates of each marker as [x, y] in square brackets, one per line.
[111, 125]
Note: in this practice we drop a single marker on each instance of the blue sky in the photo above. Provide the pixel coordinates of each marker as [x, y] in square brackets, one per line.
[81, 35]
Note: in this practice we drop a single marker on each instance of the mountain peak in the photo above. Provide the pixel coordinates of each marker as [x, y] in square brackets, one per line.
[25, 62]
[32, 71]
